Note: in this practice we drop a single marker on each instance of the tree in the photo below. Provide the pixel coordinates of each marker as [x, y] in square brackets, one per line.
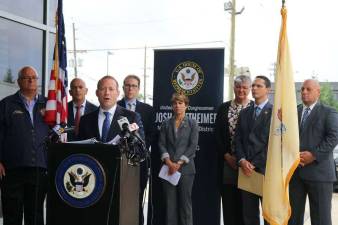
[327, 96]
[8, 77]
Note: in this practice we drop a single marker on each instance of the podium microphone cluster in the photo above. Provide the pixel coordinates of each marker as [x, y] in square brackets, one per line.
[56, 132]
[131, 144]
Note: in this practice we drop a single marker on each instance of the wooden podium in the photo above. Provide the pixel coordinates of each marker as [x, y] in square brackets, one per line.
[91, 184]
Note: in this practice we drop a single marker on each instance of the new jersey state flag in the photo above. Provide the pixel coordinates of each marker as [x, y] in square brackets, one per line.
[283, 151]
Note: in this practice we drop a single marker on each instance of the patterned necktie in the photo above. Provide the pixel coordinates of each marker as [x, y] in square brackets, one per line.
[105, 126]
[305, 116]
[77, 119]
[257, 111]
[131, 107]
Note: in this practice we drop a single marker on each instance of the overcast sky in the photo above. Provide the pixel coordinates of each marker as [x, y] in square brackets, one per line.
[111, 24]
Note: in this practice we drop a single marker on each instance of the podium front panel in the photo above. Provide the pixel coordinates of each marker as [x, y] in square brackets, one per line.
[84, 184]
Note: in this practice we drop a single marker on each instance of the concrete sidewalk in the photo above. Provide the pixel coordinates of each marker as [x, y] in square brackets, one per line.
[307, 221]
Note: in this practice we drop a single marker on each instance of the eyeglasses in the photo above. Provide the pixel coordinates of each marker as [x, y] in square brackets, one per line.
[130, 86]
[29, 78]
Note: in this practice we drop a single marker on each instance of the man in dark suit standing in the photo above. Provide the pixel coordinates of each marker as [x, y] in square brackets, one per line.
[78, 106]
[131, 88]
[102, 123]
[318, 135]
[251, 143]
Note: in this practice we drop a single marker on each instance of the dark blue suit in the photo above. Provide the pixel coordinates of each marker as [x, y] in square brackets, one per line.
[89, 124]
[251, 143]
[148, 120]
[90, 107]
[23, 154]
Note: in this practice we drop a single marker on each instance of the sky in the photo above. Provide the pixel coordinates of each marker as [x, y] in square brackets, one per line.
[125, 27]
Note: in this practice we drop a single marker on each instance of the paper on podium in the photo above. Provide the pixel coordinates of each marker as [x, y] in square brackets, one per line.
[173, 179]
[253, 183]
[87, 141]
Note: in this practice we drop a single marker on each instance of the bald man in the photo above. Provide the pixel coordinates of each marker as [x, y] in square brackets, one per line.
[318, 135]
[23, 156]
[78, 106]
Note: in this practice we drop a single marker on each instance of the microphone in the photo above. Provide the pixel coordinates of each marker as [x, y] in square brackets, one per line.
[56, 132]
[130, 143]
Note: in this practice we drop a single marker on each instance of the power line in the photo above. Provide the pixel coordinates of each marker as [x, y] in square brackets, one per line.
[138, 48]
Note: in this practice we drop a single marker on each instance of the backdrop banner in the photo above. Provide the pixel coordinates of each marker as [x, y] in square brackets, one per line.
[199, 74]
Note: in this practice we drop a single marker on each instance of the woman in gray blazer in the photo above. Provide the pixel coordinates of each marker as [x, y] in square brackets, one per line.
[177, 143]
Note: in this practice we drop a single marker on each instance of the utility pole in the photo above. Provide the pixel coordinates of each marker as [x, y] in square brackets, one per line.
[74, 46]
[145, 74]
[231, 6]
[108, 54]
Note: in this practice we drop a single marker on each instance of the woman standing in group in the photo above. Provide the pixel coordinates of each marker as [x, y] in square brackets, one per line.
[177, 144]
[226, 121]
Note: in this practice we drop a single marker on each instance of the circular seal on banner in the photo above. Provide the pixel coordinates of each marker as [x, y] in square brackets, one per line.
[80, 180]
[187, 77]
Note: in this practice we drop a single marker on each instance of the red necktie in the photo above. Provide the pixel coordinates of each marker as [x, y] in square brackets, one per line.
[77, 119]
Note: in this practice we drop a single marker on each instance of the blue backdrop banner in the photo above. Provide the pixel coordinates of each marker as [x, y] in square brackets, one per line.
[199, 74]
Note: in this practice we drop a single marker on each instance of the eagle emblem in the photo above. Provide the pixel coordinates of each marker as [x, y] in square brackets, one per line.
[187, 77]
[78, 181]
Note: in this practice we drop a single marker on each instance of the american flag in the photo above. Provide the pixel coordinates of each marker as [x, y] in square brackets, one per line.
[57, 108]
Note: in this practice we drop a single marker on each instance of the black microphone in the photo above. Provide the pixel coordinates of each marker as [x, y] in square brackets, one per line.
[57, 131]
[130, 143]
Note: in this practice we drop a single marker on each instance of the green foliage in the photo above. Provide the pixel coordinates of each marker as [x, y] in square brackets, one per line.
[9, 77]
[327, 97]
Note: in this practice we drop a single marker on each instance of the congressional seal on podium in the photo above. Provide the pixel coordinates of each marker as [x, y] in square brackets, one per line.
[80, 180]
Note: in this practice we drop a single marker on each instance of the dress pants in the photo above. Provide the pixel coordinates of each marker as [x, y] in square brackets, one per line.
[320, 196]
[178, 201]
[232, 205]
[23, 191]
[251, 213]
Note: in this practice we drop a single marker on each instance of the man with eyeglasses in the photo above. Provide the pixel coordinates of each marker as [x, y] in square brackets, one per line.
[22, 152]
[251, 143]
[131, 88]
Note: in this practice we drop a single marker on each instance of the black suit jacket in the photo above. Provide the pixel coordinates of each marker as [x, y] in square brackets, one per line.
[147, 116]
[89, 127]
[319, 136]
[252, 136]
[89, 107]
[223, 136]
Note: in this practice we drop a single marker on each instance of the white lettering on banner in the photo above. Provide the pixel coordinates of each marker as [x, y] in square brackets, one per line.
[205, 118]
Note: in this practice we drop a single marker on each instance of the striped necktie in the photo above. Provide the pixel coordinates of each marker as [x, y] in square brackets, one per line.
[305, 116]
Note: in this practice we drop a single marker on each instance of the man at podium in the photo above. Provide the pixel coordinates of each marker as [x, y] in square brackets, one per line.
[102, 123]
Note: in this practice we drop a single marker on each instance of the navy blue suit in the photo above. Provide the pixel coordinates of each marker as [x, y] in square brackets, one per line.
[148, 120]
[23, 154]
[251, 143]
[89, 124]
[90, 107]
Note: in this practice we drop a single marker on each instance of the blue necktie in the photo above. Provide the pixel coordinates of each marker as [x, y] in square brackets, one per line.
[257, 111]
[305, 116]
[105, 126]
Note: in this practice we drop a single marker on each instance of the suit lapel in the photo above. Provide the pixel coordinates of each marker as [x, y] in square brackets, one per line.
[114, 126]
[96, 119]
[300, 110]
[265, 111]
[70, 113]
[313, 114]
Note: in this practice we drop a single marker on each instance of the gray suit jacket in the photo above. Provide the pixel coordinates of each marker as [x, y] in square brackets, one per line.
[319, 136]
[181, 145]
